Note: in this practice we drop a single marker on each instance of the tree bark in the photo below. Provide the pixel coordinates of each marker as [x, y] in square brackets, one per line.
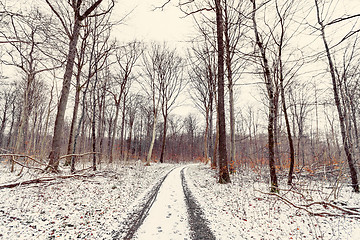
[231, 90]
[73, 121]
[113, 133]
[270, 92]
[163, 139]
[288, 130]
[60, 116]
[148, 159]
[206, 136]
[3, 123]
[345, 139]
[224, 176]
[131, 124]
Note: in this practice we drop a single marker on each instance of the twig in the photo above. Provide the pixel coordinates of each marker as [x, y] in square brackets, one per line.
[349, 211]
[162, 7]
[5, 150]
[320, 214]
[81, 170]
[78, 154]
[23, 165]
[21, 155]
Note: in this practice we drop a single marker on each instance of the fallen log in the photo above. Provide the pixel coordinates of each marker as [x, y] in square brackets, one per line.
[42, 180]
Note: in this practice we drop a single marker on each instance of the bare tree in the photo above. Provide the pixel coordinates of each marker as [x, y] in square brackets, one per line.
[126, 59]
[79, 10]
[202, 76]
[171, 82]
[133, 107]
[25, 36]
[270, 92]
[7, 97]
[162, 84]
[224, 176]
[234, 33]
[100, 50]
[335, 85]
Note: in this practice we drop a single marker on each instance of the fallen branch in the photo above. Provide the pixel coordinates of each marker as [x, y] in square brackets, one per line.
[348, 211]
[77, 155]
[82, 170]
[23, 165]
[21, 155]
[320, 214]
[5, 150]
[42, 180]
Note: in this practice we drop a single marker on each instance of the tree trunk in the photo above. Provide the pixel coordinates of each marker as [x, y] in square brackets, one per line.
[276, 130]
[224, 176]
[60, 116]
[3, 125]
[288, 130]
[211, 144]
[47, 119]
[20, 146]
[131, 124]
[73, 121]
[10, 134]
[109, 148]
[345, 140]
[101, 128]
[232, 129]
[206, 136]
[113, 133]
[231, 92]
[163, 139]
[214, 164]
[93, 134]
[148, 159]
[122, 134]
[270, 92]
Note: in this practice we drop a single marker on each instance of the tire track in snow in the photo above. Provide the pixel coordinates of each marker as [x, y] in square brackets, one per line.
[139, 216]
[199, 228]
[175, 200]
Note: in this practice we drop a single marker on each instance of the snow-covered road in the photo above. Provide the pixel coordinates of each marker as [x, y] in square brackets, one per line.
[167, 218]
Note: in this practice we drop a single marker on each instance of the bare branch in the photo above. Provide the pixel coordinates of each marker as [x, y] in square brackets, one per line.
[162, 7]
[60, 18]
[78, 155]
[342, 19]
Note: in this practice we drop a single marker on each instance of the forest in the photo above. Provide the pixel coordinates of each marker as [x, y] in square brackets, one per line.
[272, 88]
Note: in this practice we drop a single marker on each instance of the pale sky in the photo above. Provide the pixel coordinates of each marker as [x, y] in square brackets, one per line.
[145, 23]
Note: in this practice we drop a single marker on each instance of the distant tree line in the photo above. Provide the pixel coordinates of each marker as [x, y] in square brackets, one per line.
[74, 89]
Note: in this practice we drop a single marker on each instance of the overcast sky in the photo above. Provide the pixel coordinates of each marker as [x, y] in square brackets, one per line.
[145, 23]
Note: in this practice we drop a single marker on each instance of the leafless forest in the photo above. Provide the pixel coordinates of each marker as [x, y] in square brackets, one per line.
[72, 95]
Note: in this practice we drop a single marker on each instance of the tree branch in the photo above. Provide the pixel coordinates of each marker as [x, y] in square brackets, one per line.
[342, 19]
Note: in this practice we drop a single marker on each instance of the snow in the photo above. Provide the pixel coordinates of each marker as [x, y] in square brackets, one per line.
[167, 218]
[97, 207]
[239, 211]
[83, 208]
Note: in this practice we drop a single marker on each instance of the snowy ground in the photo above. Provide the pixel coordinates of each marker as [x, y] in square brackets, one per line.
[76, 208]
[239, 211]
[97, 207]
[167, 218]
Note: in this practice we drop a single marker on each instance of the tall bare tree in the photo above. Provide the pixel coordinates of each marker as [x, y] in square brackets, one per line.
[202, 76]
[126, 59]
[270, 92]
[26, 39]
[171, 82]
[224, 176]
[76, 11]
[319, 6]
